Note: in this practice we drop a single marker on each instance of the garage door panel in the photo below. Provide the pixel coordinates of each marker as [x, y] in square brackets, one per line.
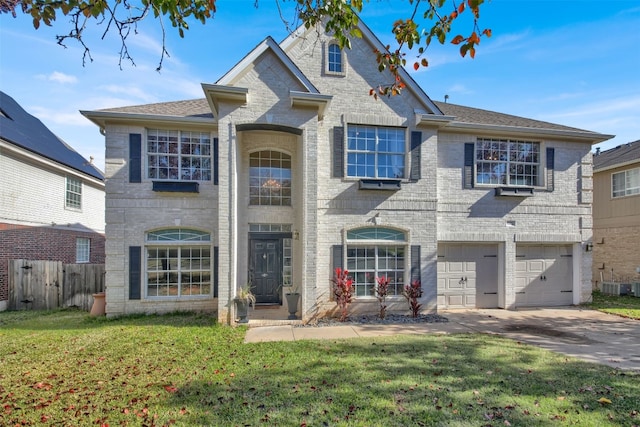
[456, 300]
[455, 284]
[544, 275]
[467, 275]
[456, 267]
[536, 266]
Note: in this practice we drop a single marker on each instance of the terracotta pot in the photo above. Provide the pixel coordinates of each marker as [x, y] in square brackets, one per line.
[99, 304]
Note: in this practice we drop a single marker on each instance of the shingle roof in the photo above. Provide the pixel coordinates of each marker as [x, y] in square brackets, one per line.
[188, 108]
[200, 108]
[479, 116]
[24, 130]
[620, 155]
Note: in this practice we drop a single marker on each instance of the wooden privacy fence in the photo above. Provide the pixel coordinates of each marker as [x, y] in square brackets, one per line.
[46, 285]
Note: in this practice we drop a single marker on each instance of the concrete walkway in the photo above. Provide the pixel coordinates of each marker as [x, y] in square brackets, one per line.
[585, 334]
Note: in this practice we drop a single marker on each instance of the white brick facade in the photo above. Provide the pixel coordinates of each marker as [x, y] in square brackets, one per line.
[254, 108]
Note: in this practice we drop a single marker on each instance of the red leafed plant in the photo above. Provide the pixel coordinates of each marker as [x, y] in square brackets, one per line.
[412, 292]
[342, 291]
[381, 293]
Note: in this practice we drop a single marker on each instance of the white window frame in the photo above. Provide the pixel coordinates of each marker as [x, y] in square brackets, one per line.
[508, 162]
[169, 149]
[83, 250]
[329, 60]
[73, 193]
[264, 188]
[629, 188]
[376, 243]
[377, 152]
[176, 239]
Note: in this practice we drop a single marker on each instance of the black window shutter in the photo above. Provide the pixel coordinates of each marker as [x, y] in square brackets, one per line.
[215, 161]
[550, 167]
[415, 263]
[135, 157]
[338, 152]
[469, 152]
[336, 260]
[416, 144]
[216, 251]
[135, 265]
[338, 251]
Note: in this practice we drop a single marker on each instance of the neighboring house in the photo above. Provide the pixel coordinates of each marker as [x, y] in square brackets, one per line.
[288, 168]
[616, 214]
[51, 198]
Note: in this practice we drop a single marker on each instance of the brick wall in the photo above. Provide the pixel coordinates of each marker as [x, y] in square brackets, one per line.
[42, 243]
[615, 249]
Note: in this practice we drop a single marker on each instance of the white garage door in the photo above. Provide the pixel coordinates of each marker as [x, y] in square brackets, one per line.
[467, 276]
[544, 275]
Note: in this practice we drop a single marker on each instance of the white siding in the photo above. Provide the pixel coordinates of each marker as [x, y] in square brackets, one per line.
[34, 194]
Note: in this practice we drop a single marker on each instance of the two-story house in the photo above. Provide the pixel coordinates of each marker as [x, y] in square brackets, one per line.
[616, 214]
[288, 168]
[51, 198]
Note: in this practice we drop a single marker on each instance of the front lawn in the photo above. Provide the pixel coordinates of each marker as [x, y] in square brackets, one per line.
[625, 306]
[66, 368]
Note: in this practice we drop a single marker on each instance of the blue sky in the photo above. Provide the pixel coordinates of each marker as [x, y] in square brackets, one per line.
[572, 62]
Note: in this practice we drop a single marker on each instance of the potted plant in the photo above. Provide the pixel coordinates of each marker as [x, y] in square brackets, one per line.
[244, 298]
[292, 296]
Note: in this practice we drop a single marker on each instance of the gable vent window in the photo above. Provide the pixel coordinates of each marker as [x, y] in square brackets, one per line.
[335, 60]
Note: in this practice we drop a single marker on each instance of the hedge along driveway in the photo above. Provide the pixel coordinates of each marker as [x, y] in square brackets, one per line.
[67, 368]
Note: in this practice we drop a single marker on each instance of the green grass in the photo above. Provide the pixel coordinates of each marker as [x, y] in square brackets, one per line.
[68, 369]
[625, 306]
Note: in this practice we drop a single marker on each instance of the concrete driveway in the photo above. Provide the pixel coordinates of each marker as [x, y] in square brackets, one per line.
[585, 334]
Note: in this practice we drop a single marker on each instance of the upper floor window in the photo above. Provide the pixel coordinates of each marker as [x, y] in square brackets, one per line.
[376, 252]
[376, 152]
[269, 178]
[334, 59]
[178, 155]
[83, 248]
[178, 263]
[73, 197]
[625, 183]
[508, 162]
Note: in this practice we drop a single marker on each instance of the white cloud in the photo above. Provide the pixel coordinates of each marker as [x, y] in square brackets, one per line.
[60, 117]
[59, 77]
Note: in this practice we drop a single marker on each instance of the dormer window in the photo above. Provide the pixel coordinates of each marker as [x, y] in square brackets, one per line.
[335, 59]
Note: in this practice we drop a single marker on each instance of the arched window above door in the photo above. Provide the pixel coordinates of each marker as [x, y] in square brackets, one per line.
[269, 178]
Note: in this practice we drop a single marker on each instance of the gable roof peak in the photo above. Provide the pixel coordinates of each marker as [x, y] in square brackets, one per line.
[267, 44]
[369, 36]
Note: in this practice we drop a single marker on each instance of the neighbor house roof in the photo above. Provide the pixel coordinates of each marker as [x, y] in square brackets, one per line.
[622, 155]
[24, 130]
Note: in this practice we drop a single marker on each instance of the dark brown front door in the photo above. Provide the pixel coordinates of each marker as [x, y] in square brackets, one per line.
[265, 269]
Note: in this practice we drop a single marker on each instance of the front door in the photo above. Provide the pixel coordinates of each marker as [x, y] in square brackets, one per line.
[265, 269]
